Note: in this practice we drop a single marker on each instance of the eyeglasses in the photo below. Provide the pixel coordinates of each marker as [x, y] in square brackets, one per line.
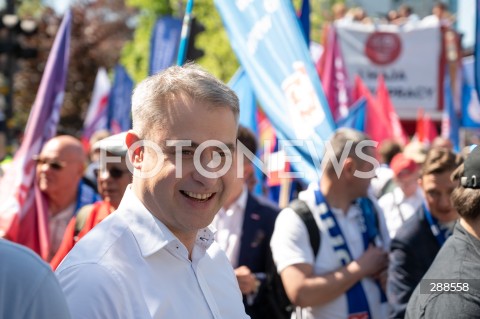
[53, 164]
[113, 172]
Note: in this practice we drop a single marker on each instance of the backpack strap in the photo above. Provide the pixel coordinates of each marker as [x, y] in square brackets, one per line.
[302, 210]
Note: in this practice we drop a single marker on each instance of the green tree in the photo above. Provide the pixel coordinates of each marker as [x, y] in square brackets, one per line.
[136, 53]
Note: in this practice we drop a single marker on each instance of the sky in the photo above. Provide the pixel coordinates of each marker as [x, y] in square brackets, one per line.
[59, 5]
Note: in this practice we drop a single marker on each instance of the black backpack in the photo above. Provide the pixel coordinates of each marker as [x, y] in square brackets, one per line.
[276, 295]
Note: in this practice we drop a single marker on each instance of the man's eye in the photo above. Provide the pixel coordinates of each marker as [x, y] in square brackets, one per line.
[187, 153]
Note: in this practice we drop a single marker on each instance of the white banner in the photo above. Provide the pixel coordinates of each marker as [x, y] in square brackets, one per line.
[408, 58]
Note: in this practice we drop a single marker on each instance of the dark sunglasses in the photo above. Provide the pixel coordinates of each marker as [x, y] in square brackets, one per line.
[113, 172]
[53, 164]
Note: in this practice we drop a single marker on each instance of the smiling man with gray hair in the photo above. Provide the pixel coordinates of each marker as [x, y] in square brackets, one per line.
[155, 257]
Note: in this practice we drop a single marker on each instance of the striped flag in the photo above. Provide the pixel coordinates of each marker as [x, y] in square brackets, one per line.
[96, 118]
[23, 214]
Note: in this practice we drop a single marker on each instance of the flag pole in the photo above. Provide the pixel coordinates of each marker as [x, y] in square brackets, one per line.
[183, 46]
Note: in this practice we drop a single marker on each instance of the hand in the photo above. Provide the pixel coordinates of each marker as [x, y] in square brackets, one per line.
[246, 280]
[381, 277]
[373, 261]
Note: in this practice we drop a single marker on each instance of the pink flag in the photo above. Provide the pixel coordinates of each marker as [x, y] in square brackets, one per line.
[96, 118]
[334, 78]
[23, 214]
[384, 101]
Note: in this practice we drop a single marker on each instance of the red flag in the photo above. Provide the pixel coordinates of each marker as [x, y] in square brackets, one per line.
[96, 118]
[23, 213]
[419, 130]
[377, 124]
[384, 101]
[426, 131]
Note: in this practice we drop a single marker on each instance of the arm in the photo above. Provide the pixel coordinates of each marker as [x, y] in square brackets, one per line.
[306, 289]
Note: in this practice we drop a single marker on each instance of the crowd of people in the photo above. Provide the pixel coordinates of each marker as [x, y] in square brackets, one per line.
[163, 221]
[402, 16]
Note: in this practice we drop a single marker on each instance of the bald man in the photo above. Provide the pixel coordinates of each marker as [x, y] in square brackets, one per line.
[60, 168]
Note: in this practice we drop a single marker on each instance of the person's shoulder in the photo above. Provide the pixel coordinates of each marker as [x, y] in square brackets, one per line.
[20, 259]
[264, 202]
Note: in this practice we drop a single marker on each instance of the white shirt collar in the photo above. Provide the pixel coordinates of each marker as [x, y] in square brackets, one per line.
[149, 232]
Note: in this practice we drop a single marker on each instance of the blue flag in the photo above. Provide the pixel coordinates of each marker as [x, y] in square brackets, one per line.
[470, 102]
[248, 111]
[305, 20]
[356, 116]
[477, 48]
[248, 104]
[450, 117]
[268, 41]
[164, 43]
[119, 103]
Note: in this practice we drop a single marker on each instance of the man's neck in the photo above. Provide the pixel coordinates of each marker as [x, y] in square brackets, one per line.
[335, 194]
[58, 203]
[472, 227]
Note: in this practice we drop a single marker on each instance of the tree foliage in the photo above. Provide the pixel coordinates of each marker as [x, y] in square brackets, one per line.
[108, 31]
[99, 31]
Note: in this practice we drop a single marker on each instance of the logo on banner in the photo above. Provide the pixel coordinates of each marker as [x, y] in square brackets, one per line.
[383, 47]
[305, 109]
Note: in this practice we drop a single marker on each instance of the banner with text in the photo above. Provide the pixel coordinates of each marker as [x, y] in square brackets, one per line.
[407, 57]
[268, 41]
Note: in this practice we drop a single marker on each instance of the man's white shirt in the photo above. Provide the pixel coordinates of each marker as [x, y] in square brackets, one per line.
[397, 209]
[131, 266]
[291, 245]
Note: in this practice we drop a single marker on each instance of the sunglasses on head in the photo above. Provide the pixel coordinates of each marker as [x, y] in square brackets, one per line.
[113, 172]
[53, 164]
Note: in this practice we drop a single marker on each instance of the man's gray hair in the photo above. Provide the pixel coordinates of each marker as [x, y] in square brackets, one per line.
[339, 140]
[153, 96]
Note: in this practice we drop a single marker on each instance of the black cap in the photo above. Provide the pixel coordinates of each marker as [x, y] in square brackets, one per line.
[471, 173]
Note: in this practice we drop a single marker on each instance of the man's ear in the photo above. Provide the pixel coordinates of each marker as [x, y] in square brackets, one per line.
[349, 167]
[135, 149]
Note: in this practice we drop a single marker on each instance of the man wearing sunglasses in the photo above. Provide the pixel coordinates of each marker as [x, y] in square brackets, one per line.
[113, 178]
[59, 171]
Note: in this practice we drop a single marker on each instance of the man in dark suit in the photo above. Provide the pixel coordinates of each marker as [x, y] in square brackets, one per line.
[244, 228]
[419, 239]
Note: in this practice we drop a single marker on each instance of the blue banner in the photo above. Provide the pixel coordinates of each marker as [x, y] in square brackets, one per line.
[119, 103]
[451, 117]
[248, 104]
[269, 43]
[164, 43]
[470, 103]
[248, 112]
[477, 48]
